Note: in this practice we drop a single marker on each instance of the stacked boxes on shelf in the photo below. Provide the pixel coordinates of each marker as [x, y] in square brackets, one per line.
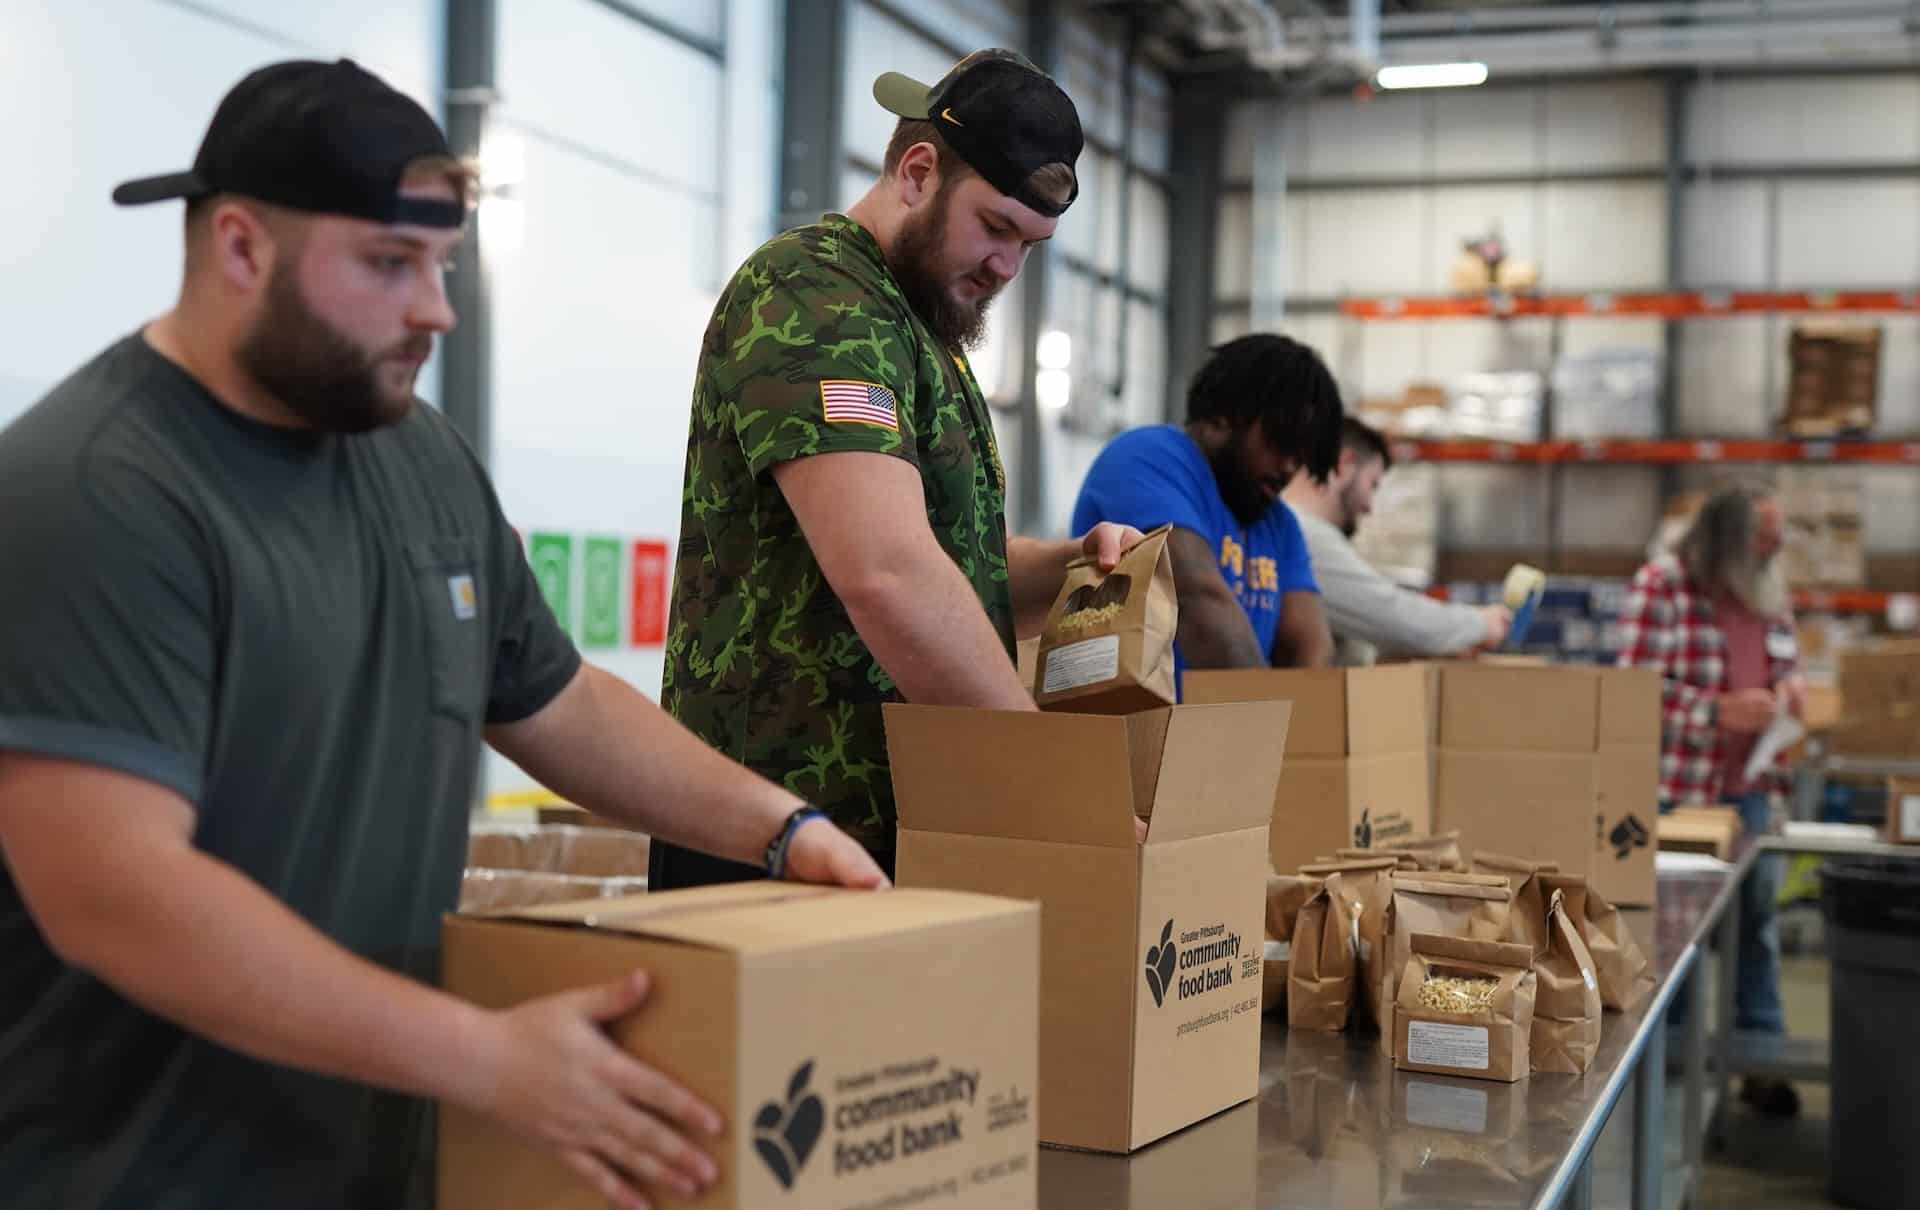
[1401, 536]
[1825, 514]
[1833, 378]
[1607, 393]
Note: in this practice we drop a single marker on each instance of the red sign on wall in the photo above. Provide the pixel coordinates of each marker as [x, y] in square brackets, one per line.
[649, 613]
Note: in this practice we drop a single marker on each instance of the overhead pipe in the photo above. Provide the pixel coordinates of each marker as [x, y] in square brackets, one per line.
[1599, 16]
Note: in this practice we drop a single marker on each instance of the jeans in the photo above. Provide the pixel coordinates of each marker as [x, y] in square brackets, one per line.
[1756, 994]
[1756, 997]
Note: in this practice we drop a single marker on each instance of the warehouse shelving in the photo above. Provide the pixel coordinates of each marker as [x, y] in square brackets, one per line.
[1660, 304]
[1670, 306]
[1671, 452]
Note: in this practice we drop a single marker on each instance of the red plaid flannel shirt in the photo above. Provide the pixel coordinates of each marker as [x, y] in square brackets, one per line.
[1670, 626]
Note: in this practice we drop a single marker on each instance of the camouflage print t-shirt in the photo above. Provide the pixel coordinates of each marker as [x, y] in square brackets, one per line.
[812, 349]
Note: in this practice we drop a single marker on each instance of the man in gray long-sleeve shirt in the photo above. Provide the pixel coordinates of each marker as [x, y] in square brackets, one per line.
[1368, 612]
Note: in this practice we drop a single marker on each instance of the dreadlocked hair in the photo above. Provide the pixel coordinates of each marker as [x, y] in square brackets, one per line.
[1283, 386]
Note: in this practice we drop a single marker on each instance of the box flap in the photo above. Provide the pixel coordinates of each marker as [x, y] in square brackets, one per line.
[1387, 709]
[1063, 778]
[1319, 697]
[1220, 769]
[764, 917]
[1519, 709]
[1629, 707]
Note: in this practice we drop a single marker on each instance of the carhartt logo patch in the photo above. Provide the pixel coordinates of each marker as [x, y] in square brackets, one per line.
[466, 603]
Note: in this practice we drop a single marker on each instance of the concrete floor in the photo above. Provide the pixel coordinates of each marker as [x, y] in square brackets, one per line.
[1770, 1164]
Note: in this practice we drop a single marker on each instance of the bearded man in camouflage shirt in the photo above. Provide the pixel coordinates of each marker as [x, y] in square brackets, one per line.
[843, 538]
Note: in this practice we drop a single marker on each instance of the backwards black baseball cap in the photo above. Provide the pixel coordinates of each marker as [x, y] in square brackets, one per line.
[327, 138]
[1005, 117]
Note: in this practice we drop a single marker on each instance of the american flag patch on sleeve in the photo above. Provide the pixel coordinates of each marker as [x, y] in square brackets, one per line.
[848, 402]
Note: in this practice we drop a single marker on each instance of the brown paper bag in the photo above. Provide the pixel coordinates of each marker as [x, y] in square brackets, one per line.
[1566, 1007]
[1108, 641]
[1620, 966]
[1366, 882]
[1441, 852]
[1491, 1042]
[1286, 895]
[1402, 861]
[1320, 975]
[1474, 906]
[1528, 923]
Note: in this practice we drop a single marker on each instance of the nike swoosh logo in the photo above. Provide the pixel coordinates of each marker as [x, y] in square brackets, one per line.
[948, 115]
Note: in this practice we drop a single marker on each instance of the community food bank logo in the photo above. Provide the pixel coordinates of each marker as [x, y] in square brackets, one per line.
[1160, 961]
[1207, 953]
[786, 1134]
[881, 1115]
[1627, 835]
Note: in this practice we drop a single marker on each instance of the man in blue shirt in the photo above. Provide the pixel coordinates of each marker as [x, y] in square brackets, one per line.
[1263, 409]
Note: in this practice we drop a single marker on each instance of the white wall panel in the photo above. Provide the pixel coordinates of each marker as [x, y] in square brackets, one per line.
[1384, 358]
[1893, 510]
[1726, 241]
[111, 89]
[1493, 507]
[1899, 407]
[1610, 125]
[1485, 130]
[1148, 243]
[568, 69]
[877, 43]
[1604, 237]
[1822, 118]
[1594, 335]
[1849, 233]
[1386, 136]
[1723, 378]
[1363, 241]
[1233, 246]
[1609, 507]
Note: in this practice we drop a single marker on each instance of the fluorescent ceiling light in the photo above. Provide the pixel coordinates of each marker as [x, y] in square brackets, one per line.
[1433, 75]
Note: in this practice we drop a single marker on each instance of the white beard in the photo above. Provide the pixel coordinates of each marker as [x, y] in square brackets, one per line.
[1762, 589]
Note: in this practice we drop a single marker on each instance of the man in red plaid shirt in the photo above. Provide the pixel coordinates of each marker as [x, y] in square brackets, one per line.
[1714, 618]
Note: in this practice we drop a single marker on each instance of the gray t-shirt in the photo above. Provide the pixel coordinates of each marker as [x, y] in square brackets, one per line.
[302, 635]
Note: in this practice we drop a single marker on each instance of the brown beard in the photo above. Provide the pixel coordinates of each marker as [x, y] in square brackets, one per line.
[915, 261]
[315, 370]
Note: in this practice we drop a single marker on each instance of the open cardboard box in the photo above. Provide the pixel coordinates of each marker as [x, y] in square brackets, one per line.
[1357, 772]
[1151, 952]
[860, 1046]
[1556, 764]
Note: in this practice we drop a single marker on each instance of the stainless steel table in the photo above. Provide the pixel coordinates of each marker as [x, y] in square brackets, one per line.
[1336, 1126]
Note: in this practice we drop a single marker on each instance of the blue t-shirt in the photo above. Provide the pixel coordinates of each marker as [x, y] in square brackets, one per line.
[1154, 476]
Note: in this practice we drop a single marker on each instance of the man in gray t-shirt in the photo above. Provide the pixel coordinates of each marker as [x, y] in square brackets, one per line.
[258, 611]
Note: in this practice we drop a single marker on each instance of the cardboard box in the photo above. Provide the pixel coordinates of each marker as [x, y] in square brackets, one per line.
[1213, 1166]
[1555, 764]
[1537, 805]
[1711, 830]
[1150, 989]
[1357, 772]
[1903, 810]
[841, 1080]
[1880, 700]
[1627, 791]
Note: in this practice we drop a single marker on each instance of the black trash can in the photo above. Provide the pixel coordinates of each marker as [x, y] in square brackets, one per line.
[1873, 937]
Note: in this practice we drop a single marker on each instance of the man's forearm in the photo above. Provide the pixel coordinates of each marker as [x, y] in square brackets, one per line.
[1213, 632]
[925, 626]
[196, 942]
[604, 745]
[1035, 570]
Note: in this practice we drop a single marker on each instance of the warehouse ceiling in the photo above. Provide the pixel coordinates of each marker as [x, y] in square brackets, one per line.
[1296, 43]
